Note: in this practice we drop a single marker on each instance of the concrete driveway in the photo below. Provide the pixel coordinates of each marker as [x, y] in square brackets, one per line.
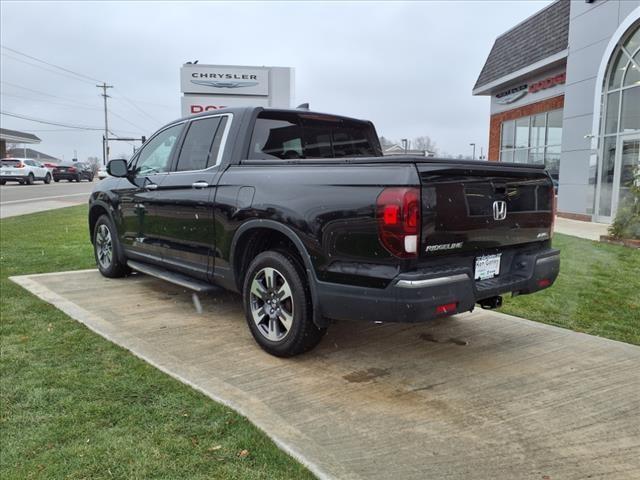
[476, 396]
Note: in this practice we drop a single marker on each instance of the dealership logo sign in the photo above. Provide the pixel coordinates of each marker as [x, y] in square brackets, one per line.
[516, 93]
[223, 83]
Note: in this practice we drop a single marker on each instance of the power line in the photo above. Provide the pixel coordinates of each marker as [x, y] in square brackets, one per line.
[52, 64]
[40, 92]
[48, 122]
[45, 68]
[139, 109]
[49, 101]
[128, 121]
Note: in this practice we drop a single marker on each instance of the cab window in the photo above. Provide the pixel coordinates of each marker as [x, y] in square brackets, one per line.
[155, 157]
[196, 149]
[287, 135]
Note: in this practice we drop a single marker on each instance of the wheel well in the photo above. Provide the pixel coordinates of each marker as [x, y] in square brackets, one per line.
[256, 241]
[94, 214]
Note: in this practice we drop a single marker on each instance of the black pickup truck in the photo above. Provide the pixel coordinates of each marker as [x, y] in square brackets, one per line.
[301, 214]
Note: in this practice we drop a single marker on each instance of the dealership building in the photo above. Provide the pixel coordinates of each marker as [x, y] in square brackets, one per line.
[565, 92]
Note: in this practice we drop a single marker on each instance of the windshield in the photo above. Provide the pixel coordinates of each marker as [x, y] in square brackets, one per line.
[286, 135]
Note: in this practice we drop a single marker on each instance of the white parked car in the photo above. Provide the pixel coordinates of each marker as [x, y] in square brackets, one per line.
[23, 170]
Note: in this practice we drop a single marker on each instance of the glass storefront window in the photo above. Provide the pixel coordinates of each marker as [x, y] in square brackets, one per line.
[508, 131]
[506, 156]
[538, 133]
[630, 118]
[611, 117]
[538, 140]
[552, 161]
[615, 77]
[606, 176]
[522, 132]
[554, 127]
[633, 72]
[619, 125]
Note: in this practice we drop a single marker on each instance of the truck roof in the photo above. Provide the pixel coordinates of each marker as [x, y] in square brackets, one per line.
[255, 110]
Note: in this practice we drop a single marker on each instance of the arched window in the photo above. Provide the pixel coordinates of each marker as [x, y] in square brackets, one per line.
[620, 124]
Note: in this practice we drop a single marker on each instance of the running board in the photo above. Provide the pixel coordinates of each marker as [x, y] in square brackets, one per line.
[173, 277]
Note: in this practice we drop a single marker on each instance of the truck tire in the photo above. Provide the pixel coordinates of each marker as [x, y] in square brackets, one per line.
[30, 179]
[106, 248]
[277, 305]
[47, 178]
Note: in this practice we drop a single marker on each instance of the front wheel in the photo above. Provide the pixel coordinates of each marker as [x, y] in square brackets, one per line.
[47, 179]
[277, 305]
[106, 248]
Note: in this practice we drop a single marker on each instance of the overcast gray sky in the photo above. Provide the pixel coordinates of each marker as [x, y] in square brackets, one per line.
[407, 66]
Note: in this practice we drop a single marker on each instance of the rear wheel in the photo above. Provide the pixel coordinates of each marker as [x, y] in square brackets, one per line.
[77, 179]
[106, 248]
[30, 179]
[277, 305]
[47, 178]
[3, 182]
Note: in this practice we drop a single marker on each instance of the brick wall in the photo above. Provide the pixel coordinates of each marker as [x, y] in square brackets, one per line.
[524, 111]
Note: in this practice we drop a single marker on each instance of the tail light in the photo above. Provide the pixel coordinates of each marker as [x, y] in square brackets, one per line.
[72, 169]
[398, 211]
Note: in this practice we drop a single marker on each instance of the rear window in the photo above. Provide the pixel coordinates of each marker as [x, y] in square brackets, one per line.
[286, 135]
[10, 163]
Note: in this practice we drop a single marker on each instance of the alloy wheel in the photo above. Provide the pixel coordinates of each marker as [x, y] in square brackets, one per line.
[271, 303]
[104, 246]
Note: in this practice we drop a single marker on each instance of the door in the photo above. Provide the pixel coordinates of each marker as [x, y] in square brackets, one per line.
[621, 156]
[185, 199]
[139, 195]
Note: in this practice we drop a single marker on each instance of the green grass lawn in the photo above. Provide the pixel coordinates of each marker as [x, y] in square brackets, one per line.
[597, 291]
[73, 405]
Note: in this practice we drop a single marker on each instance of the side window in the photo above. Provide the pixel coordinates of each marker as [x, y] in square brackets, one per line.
[196, 148]
[31, 163]
[156, 155]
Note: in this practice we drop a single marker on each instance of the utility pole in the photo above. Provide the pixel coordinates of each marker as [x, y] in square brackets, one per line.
[105, 138]
[474, 150]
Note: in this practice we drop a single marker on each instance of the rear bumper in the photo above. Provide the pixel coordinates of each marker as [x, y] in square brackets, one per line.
[414, 297]
[13, 178]
[66, 176]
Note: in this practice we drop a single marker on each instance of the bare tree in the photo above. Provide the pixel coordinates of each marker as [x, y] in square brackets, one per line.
[424, 143]
[385, 142]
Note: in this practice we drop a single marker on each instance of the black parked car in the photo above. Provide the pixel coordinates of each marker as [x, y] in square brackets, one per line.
[300, 212]
[73, 171]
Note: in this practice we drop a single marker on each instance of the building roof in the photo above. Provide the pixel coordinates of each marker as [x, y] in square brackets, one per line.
[17, 137]
[539, 37]
[31, 153]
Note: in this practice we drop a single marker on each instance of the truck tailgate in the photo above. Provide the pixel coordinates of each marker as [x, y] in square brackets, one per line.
[472, 209]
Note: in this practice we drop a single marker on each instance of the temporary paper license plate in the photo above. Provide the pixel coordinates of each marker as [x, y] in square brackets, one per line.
[487, 266]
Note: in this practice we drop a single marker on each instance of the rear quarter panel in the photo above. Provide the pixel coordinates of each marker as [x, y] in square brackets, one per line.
[331, 208]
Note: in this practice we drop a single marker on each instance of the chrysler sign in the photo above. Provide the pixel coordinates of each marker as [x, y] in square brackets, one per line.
[220, 80]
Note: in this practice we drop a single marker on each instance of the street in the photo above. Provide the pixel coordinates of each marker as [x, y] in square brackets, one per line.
[18, 199]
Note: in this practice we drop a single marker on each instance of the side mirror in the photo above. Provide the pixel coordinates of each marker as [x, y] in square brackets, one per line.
[117, 168]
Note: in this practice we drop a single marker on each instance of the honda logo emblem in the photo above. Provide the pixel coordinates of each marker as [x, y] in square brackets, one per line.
[499, 210]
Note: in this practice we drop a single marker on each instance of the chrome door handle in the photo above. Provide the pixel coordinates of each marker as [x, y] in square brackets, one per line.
[151, 186]
[200, 185]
